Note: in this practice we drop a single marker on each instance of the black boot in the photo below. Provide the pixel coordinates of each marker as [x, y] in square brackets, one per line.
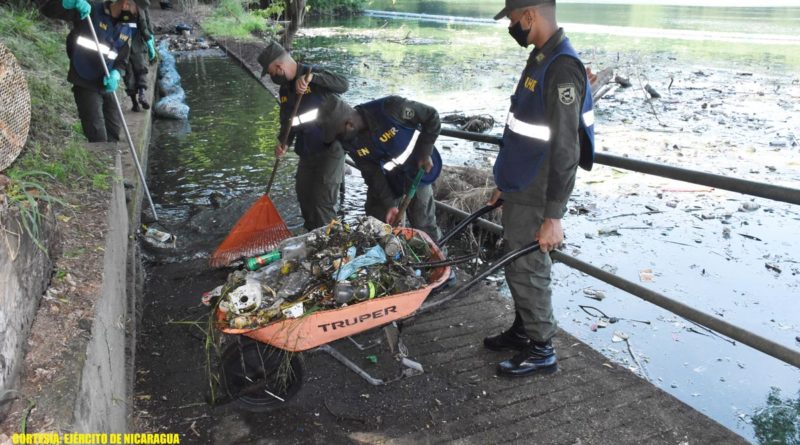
[143, 99]
[536, 358]
[513, 339]
[135, 107]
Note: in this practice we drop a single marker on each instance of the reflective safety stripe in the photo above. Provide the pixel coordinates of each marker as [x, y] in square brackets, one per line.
[89, 44]
[305, 118]
[131, 25]
[541, 132]
[588, 118]
[399, 160]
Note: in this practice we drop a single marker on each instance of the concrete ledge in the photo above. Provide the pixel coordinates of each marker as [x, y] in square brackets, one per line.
[24, 273]
[80, 371]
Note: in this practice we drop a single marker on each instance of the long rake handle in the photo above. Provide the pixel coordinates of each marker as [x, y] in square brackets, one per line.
[124, 123]
[285, 138]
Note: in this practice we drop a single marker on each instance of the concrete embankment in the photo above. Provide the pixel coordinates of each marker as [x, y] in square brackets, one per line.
[68, 339]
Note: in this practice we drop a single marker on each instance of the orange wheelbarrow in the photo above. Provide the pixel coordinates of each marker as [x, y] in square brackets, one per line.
[260, 371]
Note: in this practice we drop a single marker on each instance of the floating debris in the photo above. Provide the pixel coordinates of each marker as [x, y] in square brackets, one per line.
[594, 294]
[646, 276]
[773, 267]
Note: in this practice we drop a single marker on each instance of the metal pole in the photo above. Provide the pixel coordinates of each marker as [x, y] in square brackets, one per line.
[774, 192]
[124, 124]
[751, 339]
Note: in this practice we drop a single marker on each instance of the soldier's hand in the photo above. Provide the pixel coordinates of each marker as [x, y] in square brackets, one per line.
[550, 235]
[280, 150]
[302, 83]
[391, 215]
[592, 76]
[151, 48]
[425, 163]
[82, 6]
[111, 81]
[496, 194]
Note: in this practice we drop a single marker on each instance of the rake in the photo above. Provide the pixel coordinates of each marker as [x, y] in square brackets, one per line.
[261, 228]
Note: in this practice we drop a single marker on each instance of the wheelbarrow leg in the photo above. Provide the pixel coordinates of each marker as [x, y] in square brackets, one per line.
[400, 351]
[330, 350]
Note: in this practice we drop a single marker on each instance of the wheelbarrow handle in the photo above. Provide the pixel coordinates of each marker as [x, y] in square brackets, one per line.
[505, 259]
[467, 221]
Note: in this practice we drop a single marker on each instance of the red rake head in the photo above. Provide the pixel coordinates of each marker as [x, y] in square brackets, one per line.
[259, 230]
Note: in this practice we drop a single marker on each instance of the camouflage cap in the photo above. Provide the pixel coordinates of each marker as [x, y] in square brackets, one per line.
[273, 51]
[512, 5]
[333, 114]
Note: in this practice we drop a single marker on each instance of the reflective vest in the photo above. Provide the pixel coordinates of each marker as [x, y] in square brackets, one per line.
[305, 125]
[391, 145]
[526, 139]
[112, 37]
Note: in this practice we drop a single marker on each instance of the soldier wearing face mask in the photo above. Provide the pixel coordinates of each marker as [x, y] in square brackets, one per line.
[91, 88]
[321, 168]
[549, 133]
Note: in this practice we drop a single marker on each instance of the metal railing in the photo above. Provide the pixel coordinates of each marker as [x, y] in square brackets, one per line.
[774, 192]
[777, 193]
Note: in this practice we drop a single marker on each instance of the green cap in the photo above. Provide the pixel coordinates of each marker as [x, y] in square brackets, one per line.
[333, 114]
[273, 51]
[512, 5]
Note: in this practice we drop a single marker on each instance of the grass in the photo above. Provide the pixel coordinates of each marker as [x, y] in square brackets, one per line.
[54, 153]
[230, 19]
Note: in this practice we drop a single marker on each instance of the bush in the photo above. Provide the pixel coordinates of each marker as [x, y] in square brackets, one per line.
[336, 6]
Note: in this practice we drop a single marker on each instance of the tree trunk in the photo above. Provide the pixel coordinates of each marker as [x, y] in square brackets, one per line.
[295, 11]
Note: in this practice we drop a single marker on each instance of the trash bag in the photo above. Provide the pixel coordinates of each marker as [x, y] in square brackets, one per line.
[171, 107]
[375, 255]
[169, 83]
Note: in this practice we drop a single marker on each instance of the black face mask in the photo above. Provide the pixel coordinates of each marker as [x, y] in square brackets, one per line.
[520, 35]
[127, 16]
[279, 79]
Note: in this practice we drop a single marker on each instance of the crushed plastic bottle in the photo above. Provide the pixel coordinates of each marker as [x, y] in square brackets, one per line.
[347, 292]
[293, 284]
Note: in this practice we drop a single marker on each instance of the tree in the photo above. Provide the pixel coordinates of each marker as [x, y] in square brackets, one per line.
[295, 12]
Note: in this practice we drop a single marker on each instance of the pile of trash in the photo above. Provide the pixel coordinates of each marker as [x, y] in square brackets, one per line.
[331, 267]
[475, 124]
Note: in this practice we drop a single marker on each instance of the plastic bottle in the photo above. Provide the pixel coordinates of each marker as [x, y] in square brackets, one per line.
[347, 291]
[295, 248]
[260, 261]
[293, 284]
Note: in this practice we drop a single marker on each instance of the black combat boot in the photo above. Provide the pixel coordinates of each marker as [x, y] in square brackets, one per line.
[135, 107]
[536, 358]
[143, 99]
[513, 339]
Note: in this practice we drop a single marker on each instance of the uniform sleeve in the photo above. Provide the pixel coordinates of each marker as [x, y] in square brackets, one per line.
[376, 181]
[328, 80]
[417, 115]
[54, 10]
[145, 27]
[121, 62]
[565, 85]
[284, 115]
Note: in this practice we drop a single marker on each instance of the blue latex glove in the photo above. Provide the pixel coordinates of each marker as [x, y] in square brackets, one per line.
[83, 7]
[111, 81]
[151, 47]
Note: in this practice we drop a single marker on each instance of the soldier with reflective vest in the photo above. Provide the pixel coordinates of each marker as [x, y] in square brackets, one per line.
[320, 171]
[549, 132]
[390, 139]
[92, 88]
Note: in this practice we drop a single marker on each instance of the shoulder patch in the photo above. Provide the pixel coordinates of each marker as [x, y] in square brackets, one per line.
[408, 113]
[566, 93]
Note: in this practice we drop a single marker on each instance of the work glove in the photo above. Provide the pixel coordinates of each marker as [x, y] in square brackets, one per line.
[82, 6]
[111, 81]
[151, 48]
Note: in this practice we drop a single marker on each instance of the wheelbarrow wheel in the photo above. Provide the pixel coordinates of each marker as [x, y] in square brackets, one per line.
[259, 377]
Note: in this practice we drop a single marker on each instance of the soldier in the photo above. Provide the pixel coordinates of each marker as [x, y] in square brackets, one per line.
[91, 88]
[143, 52]
[549, 133]
[390, 139]
[321, 168]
